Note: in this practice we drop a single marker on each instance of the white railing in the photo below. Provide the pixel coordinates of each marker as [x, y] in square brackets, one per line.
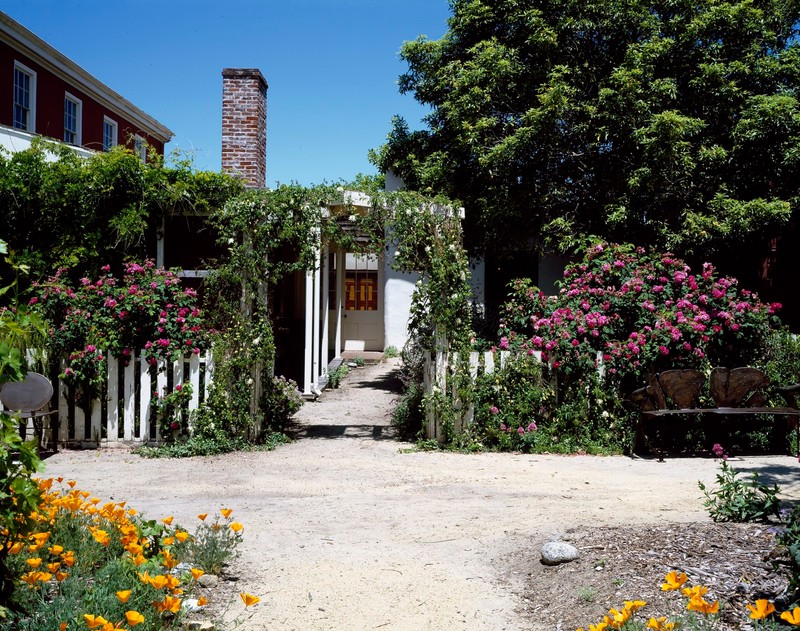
[125, 414]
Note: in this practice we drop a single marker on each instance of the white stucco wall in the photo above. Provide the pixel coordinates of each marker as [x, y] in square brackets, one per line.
[14, 140]
[398, 288]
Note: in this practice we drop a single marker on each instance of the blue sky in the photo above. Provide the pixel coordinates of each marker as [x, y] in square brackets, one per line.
[332, 68]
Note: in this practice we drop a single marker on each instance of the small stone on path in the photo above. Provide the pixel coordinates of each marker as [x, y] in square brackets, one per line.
[557, 552]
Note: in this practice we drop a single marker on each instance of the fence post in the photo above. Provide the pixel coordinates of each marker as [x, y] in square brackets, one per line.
[129, 409]
[145, 394]
[112, 423]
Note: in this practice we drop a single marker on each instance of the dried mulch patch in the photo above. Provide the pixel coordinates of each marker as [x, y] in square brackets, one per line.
[737, 562]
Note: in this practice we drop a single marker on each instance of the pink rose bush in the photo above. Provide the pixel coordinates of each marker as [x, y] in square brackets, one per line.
[622, 312]
[145, 310]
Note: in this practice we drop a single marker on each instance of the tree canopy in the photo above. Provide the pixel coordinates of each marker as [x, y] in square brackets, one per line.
[673, 123]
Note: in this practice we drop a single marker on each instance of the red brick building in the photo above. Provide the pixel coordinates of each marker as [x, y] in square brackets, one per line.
[44, 93]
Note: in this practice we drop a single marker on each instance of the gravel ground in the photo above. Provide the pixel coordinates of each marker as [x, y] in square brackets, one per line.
[348, 528]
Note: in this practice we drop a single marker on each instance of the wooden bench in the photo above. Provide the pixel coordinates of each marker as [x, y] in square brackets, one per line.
[738, 391]
[28, 400]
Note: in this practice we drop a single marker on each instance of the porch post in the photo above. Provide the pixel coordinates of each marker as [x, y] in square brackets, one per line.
[340, 263]
[309, 333]
[326, 304]
[316, 314]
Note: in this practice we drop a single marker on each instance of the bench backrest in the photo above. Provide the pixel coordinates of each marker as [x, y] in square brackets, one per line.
[737, 387]
[27, 396]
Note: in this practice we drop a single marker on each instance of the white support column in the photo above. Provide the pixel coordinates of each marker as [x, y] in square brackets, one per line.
[309, 333]
[340, 263]
[316, 307]
[160, 245]
[326, 305]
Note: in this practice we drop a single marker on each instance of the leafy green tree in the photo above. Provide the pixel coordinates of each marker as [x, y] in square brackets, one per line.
[665, 122]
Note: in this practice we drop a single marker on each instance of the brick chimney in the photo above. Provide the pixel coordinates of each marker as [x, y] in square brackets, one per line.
[244, 125]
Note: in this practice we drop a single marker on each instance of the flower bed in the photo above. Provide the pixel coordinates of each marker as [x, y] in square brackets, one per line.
[100, 566]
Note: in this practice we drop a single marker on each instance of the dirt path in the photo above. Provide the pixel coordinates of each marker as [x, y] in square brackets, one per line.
[345, 530]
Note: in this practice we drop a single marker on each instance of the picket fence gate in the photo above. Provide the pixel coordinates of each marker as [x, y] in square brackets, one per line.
[124, 415]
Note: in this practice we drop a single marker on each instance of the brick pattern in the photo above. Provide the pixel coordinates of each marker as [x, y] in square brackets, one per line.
[244, 125]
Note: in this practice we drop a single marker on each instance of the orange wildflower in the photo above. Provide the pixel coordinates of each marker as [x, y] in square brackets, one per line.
[34, 563]
[236, 527]
[124, 595]
[792, 617]
[202, 516]
[133, 618]
[674, 581]
[168, 520]
[226, 512]
[181, 535]
[94, 621]
[761, 609]
[700, 605]
[202, 601]
[249, 599]
[697, 591]
[196, 572]
[660, 624]
[169, 603]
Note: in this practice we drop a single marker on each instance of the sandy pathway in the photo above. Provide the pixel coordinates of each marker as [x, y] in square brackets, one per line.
[346, 530]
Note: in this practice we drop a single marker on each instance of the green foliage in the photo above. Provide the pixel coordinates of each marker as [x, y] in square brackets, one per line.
[213, 545]
[407, 415]
[390, 352]
[19, 459]
[281, 401]
[62, 210]
[187, 447]
[516, 409]
[336, 375]
[359, 361]
[790, 540]
[172, 411]
[673, 125]
[737, 500]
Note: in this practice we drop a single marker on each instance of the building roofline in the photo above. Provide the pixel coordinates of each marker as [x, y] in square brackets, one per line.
[40, 51]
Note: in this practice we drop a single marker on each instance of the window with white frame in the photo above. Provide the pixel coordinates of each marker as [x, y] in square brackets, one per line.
[72, 119]
[24, 98]
[110, 131]
[140, 148]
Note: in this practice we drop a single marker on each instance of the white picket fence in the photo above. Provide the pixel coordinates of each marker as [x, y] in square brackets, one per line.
[437, 377]
[124, 416]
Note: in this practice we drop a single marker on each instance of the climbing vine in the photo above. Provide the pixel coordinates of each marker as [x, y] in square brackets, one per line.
[272, 233]
[64, 210]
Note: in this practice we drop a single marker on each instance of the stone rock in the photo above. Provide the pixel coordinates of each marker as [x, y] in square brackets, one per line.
[191, 605]
[208, 580]
[556, 552]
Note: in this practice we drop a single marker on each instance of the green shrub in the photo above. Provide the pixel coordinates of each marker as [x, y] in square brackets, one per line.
[336, 375]
[280, 402]
[391, 351]
[790, 540]
[408, 416]
[740, 501]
